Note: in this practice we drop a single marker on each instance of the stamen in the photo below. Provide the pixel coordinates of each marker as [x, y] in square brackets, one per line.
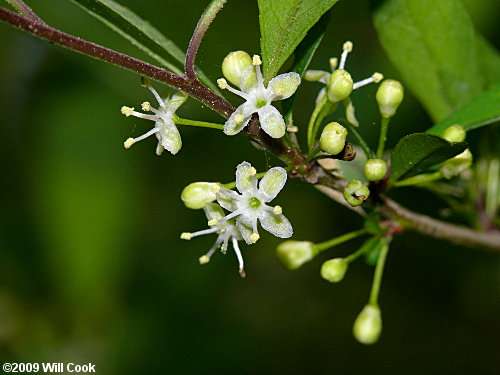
[333, 63]
[230, 216]
[222, 83]
[201, 232]
[239, 118]
[376, 77]
[254, 237]
[127, 111]
[347, 47]
[277, 210]
[252, 171]
[240, 257]
[158, 99]
[129, 142]
[292, 129]
[146, 106]
[186, 236]
[213, 222]
[204, 259]
[256, 61]
[145, 135]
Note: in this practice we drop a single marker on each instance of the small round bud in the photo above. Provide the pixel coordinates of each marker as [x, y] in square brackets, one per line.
[454, 133]
[375, 169]
[234, 64]
[333, 270]
[293, 254]
[332, 138]
[340, 85]
[454, 166]
[368, 325]
[389, 96]
[198, 194]
[356, 193]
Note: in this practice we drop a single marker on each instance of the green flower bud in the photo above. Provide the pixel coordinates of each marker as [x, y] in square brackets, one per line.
[234, 64]
[454, 133]
[356, 193]
[454, 166]
[198, 194]
[368, 325]
[293, 254]
[332, 138]
[340, 85]
[375, 169]
[389, 96]
[333, 270]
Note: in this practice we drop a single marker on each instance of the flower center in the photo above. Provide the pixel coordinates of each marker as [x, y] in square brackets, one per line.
[261, 103]
[254, 203]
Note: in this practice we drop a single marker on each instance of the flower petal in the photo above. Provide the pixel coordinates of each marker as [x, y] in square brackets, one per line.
[284, 85]
[239, 119]
[176, 101]
[276, 224]
[272, 183]
[213, 211]
[271, 121]
[226, 201]
[248, 79]
[169, 136]
[244, 225]
[245, 179]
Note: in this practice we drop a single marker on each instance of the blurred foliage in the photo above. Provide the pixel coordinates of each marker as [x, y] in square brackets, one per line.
[91, 267]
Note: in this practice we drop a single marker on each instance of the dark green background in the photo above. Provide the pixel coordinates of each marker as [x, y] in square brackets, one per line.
[91, 265]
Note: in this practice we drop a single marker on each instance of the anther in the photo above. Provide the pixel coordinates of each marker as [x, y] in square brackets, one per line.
[256, 60]
[252, 171]
[204, 259]
[277, 210]
[377, 77]
[222, 83]
[146, 106]
[347, 46]
[186, 236]
[213, 222]
[127, 111]
[254, 237]
[129, 142]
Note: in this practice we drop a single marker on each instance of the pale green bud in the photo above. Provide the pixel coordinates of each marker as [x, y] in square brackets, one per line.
[454, 166]
[454, 133]
[293, 254]
[332, 138]
[389, 96]
[234, 64]
[198, 194]
[340, 85]
[356, 193]
[368, 325]
[333, 270]
[375, 169]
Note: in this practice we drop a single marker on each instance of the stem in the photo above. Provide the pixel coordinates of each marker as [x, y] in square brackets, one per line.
[192, 87]
[338, 240]
[366, 149]
[379, 271]
[383, 136]
[25, 10]
[201, 28]
[351, 258]
[202, 124]
[419, 179]
[322, 110]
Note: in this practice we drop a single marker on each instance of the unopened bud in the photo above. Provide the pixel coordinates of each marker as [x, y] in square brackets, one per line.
[355, 193]
[293, 254]
[454, 133]
[389, 96]
[333, 138]
[198, 194]
[368, 325]
[234, 64]
[454, 166]
[340, 85]
[375, 169]
[333, 270]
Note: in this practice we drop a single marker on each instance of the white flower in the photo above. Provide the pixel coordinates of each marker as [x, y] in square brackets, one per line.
[164, 129]
[250, 206]
[341, 78]
[258, 100]
[226, 231]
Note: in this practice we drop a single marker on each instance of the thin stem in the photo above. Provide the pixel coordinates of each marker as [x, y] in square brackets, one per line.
[379, 271]
[201, 28]
[351, 258]
[192, 87]
[322, 110]
[202, 124]
[25, 10]
[419, 179]
[366, 149]
[383, 136]
[338, 240]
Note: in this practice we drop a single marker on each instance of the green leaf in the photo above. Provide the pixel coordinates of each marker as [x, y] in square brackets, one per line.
[415, 153]
[434, 46]
[140, 33]
[283, 25]
[303, 56]
[482, 111]
[490, 61]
